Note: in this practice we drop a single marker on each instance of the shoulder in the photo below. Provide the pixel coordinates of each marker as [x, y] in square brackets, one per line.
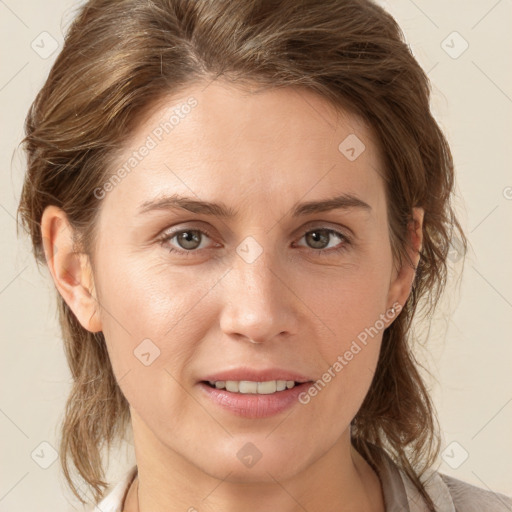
[448, 494]
[469, 498]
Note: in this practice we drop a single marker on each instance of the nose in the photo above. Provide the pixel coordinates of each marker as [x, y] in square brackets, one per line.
[260, 305]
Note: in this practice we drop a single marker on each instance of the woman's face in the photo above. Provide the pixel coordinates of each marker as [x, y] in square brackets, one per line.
[278, 290]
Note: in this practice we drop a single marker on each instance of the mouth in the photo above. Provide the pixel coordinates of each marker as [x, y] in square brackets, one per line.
[250, 392]
[253, 394]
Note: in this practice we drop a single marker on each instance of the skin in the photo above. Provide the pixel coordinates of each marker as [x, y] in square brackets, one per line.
[259, 154]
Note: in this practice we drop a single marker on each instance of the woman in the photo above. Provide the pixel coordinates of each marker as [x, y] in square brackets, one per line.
[241, 205]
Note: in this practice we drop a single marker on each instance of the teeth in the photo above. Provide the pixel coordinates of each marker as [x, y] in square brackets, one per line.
[250, 387]
[246, 386]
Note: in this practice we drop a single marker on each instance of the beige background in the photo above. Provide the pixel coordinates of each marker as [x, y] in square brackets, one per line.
[469, 350]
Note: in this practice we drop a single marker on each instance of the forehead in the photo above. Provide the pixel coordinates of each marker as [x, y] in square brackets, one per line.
[221, 141]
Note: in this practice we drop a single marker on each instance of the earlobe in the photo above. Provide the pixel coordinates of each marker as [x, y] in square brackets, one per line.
[401, 286]
[71, 271]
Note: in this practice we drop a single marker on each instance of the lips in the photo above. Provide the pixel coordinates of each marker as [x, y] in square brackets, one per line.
[253, 375]
[252, 393]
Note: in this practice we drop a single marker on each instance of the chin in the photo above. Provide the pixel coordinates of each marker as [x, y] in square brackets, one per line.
[253, 459]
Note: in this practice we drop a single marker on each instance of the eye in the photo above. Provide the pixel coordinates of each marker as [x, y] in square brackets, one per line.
[323, 240]
[185, 240]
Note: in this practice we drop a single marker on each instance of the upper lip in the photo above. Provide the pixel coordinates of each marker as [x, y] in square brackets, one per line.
[254, 375]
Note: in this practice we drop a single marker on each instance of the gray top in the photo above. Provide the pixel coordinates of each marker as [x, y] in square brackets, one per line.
[448, 494]
[400, 495]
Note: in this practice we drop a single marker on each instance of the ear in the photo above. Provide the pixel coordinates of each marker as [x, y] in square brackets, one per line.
[403, 279]
[71, 271]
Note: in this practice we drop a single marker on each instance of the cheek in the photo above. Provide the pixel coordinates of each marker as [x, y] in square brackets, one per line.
[153, 319]
[151, 330]
[349, 302]
[141, 300]
[352, 310]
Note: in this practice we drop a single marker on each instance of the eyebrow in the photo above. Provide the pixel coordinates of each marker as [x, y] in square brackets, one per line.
[175, 201]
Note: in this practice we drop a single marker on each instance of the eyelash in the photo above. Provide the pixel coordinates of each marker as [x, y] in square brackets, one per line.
[345, 243]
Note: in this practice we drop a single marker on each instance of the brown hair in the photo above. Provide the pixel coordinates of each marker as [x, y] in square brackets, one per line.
[121, 57]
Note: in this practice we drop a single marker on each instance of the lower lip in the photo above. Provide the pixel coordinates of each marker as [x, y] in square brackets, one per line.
[252, 405]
